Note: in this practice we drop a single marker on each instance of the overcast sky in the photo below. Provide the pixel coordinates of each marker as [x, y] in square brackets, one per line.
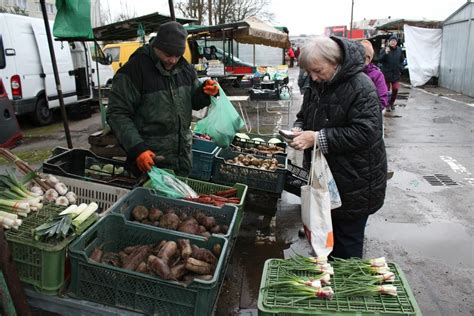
[311, 16]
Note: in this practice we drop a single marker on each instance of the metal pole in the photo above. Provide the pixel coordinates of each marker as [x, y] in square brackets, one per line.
[352, 15]
[99, 89]
[56, 75]
[173, 17]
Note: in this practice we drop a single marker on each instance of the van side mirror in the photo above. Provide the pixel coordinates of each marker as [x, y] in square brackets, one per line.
[109, 59]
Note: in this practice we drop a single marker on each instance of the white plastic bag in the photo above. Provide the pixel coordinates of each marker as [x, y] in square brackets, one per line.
[317, 200]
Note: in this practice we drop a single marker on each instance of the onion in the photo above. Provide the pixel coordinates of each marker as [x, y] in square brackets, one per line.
[62, 200]
[61, 188]
[71, 196]
[36, 190]
[51, 195]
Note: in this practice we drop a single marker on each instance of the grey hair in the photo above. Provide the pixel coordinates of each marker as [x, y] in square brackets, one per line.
[320, 47]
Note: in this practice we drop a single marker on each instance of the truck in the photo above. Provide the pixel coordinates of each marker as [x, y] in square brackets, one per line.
[26, 68]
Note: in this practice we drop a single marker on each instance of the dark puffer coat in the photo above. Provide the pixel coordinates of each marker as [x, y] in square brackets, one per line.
[348, 110]
[391, 63]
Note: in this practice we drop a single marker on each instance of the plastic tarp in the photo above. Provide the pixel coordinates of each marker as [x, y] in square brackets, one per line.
[261, 33]
[423, 47]
[74, 20]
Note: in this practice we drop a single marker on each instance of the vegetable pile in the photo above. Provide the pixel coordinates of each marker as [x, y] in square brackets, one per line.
[249, 160]
[218, 199]
[196, 224]
[301, 278]
[16, 200]
[259, 149]
[66, 223]
[98, 170]
[169, 260]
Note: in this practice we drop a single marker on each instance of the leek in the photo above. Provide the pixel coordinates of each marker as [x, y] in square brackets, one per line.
[91, 209]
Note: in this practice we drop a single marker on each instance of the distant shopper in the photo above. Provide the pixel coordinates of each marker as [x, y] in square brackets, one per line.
[291, 55]
[297, 53]
[391, 59]
[341, 114]
[375, 74]
[212, 53]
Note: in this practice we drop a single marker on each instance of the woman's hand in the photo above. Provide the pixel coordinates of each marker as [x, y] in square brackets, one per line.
[304, 140]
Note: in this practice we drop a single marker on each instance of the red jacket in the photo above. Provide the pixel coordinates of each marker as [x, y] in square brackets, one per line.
[291, 53]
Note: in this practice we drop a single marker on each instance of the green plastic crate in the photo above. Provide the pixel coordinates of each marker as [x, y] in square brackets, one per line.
[40, 263]
[224, 215]
[202, 187]
[402, 304]
[137, 291]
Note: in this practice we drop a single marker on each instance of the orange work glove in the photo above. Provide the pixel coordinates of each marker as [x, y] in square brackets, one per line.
[145, 160]
[210, 87]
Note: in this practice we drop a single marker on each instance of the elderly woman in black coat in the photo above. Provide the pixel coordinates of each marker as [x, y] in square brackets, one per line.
[341, 113]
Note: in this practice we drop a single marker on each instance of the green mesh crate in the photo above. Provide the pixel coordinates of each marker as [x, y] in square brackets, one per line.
[402, 304]
[203, 187]
[135, 291]
[224, 215]
[40, 263]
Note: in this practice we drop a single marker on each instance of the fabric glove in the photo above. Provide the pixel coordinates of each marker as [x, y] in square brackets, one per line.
[210, 87]
[145, 160]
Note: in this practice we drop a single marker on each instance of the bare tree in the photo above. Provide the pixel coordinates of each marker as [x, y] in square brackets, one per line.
[126, 12]
[193, 9]
[237, 10]
[224, 11]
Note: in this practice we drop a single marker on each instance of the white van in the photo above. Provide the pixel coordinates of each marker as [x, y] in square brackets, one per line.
[28, 73]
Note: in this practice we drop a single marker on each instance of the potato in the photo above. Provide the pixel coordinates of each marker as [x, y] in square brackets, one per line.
[190, 227]
[139, 213]
[154, 214]
[209, 222]
[170, 221]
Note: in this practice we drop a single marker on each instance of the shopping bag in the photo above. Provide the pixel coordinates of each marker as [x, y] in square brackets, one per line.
[166, 184]
[222, 121]
[316, 204]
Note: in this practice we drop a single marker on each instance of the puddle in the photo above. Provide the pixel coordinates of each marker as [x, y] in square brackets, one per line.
[408, 181]
[443, 241]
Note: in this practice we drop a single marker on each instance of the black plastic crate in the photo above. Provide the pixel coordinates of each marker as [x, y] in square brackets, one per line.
[83, 164]
[264, 180]
[264, 94]
[295, 178]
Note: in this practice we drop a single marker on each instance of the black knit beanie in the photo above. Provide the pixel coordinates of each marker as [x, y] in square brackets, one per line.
[171, 38]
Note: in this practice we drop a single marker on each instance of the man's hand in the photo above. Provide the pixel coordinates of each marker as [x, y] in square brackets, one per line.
[210, 87]
[145, 160]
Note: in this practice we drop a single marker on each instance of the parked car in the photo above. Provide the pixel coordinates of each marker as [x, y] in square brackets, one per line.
[11, 132]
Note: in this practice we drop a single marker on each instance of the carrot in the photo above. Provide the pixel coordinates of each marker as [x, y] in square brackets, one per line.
[227, 193]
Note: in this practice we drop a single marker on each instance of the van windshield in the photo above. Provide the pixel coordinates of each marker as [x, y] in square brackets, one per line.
[114, 52]
[2, 54]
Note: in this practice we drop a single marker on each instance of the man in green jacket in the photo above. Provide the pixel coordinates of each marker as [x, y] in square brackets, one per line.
[151, 102]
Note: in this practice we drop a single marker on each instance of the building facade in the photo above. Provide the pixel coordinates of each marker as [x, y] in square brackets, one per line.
[28, 7]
